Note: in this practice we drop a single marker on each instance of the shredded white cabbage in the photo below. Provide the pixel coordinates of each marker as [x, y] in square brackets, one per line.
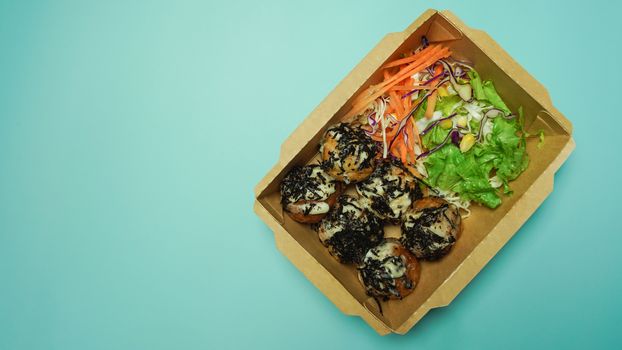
[423, 123]
[454, 198]
[381, 108]
[474, 110]
[419, 164]
[451, 90]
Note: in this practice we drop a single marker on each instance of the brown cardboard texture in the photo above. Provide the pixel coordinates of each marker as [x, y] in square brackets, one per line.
[485, 232]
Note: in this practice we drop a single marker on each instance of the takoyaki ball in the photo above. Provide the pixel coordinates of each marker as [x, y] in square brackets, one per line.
[349, 231]
[348, 154]
[308, 193]
[389, 191]
[389, 271]
[431, 227]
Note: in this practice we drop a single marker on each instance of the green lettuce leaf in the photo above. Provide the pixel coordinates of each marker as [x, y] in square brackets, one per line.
[493, 97]
[420, 112]
[434, 137]
[476, 84]
[504, 151]
[485, 91]
[446, 104]
[450, 169]
[503, 154]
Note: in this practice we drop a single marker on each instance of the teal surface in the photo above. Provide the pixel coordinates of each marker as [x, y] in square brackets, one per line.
[132, 135]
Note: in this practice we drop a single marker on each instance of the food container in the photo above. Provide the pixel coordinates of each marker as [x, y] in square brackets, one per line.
[485, 231]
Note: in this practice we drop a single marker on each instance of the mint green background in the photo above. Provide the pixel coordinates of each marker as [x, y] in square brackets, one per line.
[132, 134]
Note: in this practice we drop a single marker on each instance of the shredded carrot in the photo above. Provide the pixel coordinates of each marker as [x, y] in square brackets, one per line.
[409, 88]
[398, 149]
[411, 141]
[433, 97]
[372, 92]
[417, 138]
[397, 82]
[431, 56]
[360, 103]
[431, 104]
[386, 74]
[403, 154]
[389, 132]
[408, 101]
[410, 58]
[394, 101]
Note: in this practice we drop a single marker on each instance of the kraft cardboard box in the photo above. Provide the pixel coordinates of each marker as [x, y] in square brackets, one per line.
[485, 231]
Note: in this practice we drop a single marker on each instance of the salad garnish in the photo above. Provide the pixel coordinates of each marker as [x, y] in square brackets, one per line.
[445, 122]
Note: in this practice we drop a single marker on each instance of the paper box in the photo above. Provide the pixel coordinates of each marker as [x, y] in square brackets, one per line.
[485, 231]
